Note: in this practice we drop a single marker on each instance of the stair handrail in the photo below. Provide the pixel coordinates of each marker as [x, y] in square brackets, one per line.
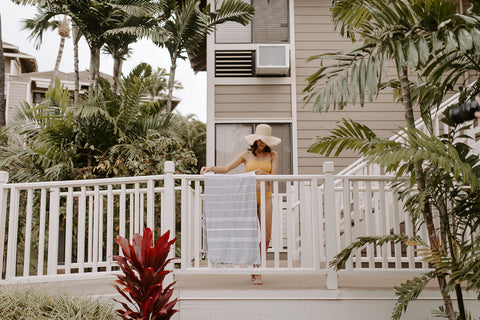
[360, 164]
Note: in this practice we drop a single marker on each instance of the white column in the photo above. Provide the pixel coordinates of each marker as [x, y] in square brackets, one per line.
[167, 221]
[53, 227]
[330, 224]
[168, 214]
[3, 212]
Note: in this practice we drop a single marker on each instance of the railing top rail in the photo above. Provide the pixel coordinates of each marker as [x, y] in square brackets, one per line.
[192, 177]
[368, 177]
[87, 182]
[277, 177]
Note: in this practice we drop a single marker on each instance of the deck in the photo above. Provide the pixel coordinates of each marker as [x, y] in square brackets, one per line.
[305, 297]
[59, 235]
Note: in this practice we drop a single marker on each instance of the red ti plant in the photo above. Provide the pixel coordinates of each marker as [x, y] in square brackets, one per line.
[143, 267]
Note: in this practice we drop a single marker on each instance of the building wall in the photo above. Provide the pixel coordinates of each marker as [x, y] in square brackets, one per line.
[17, 93]
[315, 34]
[7, 65]
[252, 102]
[279, 99]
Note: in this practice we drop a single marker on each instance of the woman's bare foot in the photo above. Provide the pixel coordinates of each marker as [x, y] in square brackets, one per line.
[256, 279]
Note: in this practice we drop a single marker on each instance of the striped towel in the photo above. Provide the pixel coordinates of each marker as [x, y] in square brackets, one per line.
[230, 208]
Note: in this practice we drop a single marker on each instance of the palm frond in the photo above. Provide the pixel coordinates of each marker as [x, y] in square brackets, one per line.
[232, 10]
[349, 135]
[341, 258]
[408, 292]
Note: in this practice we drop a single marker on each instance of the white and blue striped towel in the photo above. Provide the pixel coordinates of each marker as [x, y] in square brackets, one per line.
[230, 208]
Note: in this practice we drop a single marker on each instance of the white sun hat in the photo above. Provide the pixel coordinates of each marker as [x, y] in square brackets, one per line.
[263, 132]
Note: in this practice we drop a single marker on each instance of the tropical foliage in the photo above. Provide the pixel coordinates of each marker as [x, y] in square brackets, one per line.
[99, 22]
[106, 134]
[144, 266]
[431, 47]
[452, 180]
[34, 303]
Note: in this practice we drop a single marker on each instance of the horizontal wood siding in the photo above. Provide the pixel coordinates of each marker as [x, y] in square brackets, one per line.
[315, 34]
[17, 94]
[253, 102]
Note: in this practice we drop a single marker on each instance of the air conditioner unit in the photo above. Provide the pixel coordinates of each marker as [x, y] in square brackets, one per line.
[272, 59]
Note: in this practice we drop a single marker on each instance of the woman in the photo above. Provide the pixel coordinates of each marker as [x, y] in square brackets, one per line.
[261, 159]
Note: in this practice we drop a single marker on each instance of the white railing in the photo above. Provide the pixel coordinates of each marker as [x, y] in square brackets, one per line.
[68, 228]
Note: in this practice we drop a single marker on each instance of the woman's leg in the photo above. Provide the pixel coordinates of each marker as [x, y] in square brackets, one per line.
[257, 278]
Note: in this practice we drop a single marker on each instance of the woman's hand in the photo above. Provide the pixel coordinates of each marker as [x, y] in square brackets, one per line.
[260, 172]
[205, 170]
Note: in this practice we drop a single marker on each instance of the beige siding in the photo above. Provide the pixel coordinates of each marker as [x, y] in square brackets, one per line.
[7, 65]
[17, 94]
[253, 102]
[314, 34]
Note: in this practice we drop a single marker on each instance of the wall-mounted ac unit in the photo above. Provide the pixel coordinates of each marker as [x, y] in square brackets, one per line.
[272, 59]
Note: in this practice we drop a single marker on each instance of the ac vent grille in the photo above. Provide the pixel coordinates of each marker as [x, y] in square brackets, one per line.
[234, 63]
[272, 56]
[272, 60]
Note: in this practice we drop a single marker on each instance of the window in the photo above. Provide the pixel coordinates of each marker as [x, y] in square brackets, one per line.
[229, 141]
[38, 97]
[269, 25]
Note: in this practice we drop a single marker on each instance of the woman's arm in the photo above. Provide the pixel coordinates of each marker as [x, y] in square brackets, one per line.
[238, 160]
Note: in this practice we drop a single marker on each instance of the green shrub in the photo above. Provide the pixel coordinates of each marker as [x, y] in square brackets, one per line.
[37, 304]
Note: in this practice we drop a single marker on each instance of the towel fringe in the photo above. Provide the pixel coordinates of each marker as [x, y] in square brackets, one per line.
[229, 267]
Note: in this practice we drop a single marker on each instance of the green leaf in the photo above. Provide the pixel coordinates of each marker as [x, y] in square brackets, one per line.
[475, 33]
[465, 40]
[354, 83]
[371, 78]
[361, 82]
[399, 56]
[451, 41]
[412, 54]
[423, 50]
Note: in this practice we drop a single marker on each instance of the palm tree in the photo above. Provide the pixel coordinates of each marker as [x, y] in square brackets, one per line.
[76, 70]
[117, 45]
[413, 35]
[97, 20]
[37, 34]
[2, 80]
[188, 26]
[63, 32]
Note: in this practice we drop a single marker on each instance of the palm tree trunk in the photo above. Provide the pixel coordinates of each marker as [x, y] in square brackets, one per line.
[59, 59]
[94, 67]
[76, 93]
[171, 83]
[117, 72]
[420, 180]
[2, 81]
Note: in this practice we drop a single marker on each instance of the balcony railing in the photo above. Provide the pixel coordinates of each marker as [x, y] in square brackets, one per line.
[68, 228]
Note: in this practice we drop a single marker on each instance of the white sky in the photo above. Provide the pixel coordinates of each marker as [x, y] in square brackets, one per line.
[193, 96]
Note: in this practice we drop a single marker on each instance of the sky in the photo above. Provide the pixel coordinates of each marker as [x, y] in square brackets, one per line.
[193, 95]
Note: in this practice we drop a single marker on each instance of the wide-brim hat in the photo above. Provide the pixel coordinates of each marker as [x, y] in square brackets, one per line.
[263, 132]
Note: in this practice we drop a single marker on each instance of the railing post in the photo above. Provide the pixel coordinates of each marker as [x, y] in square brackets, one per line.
[168, 214]
[53, 227]
[167, 221]
[3, 214]
[330, 224]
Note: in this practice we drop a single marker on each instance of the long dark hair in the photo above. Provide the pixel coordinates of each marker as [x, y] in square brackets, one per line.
[254, 148]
